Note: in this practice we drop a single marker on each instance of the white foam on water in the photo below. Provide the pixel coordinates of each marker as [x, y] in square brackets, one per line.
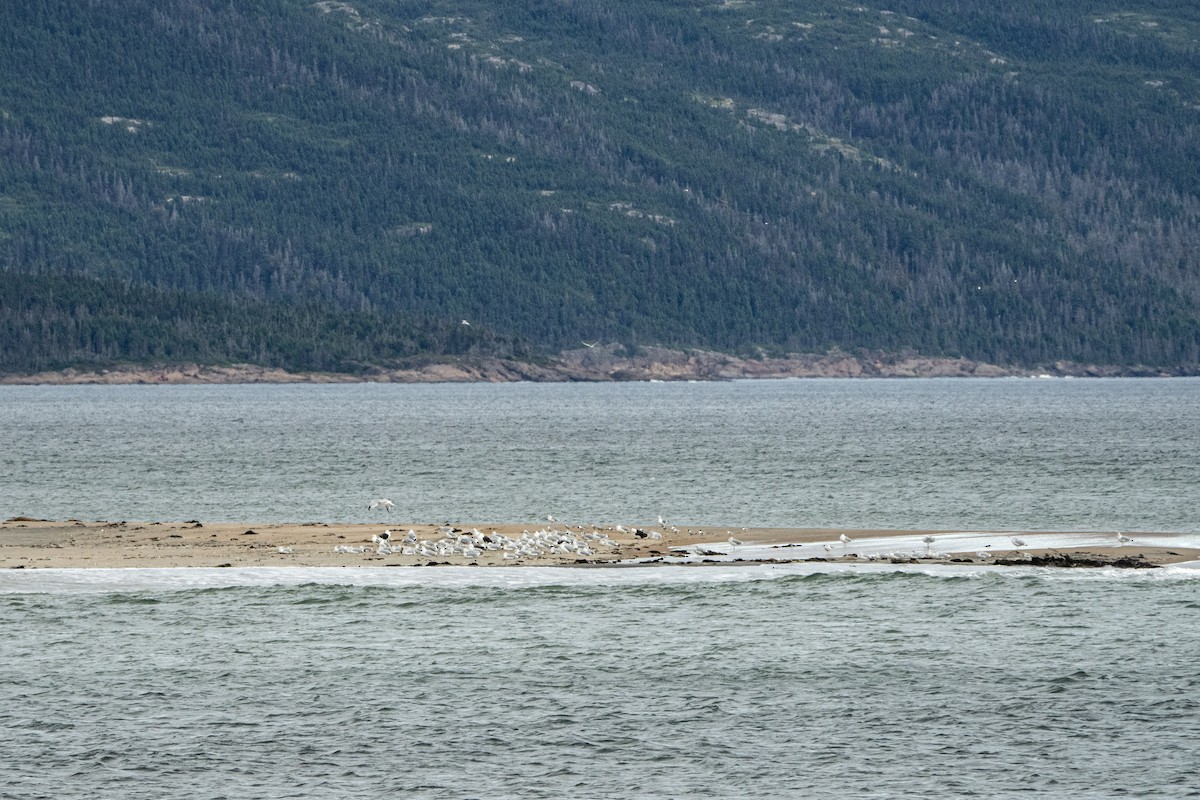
[140, 579]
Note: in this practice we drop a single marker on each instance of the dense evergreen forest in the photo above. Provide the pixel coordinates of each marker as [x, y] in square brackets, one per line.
[330, 185]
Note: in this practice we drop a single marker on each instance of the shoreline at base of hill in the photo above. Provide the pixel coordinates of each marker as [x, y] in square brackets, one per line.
[603, 363]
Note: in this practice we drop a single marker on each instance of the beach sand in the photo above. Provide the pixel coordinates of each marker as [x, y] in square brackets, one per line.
[31, 543]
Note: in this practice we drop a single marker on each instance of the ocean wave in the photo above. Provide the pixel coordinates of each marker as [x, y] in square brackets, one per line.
[141, 580]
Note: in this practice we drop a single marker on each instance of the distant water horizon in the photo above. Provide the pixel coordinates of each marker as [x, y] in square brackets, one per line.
[993, 454]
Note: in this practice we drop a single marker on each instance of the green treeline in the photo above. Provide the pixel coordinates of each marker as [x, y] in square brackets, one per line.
[52, 322]
[281, 181]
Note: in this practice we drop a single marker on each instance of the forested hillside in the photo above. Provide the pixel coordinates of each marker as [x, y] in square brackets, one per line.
[328, 185]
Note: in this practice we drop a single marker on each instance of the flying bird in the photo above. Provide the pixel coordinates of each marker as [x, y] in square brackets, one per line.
[384, 503]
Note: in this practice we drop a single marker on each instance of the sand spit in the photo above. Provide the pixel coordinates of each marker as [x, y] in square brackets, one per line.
[27, 543]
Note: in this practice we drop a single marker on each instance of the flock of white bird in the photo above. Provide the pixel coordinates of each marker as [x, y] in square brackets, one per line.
[475, 543]
[451, 541]
[549, 542]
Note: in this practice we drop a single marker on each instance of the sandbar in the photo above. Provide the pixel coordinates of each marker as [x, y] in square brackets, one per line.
[27, 543]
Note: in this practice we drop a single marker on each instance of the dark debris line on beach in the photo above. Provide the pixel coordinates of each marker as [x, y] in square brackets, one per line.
[1082, 560]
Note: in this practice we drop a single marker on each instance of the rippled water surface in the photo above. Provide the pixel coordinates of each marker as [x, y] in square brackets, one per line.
[842, 685]
[993, 454]
[719, 682]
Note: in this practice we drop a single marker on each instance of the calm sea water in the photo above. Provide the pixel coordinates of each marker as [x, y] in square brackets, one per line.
[720, 682]
[992, 454]
[833, 686]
